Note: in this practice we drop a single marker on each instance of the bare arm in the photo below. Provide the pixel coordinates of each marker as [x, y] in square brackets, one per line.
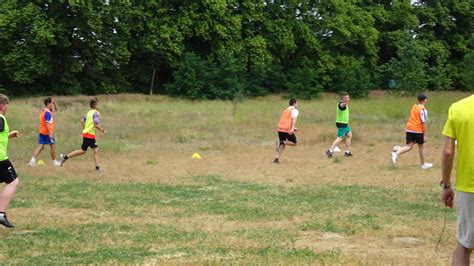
[14, 134]
[293, 125]
[55, 108]
[99, 127]
[447, 158]
[83, 122]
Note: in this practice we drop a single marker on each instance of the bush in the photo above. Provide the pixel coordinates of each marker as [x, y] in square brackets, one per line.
[353, 77]
[302, 81]
[197, 78]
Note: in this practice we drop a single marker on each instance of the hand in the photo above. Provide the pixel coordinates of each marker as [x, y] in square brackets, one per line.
[105, 131]
[425, 138]
[447, 197]
[14, 134]
[295, 129]
[292, 131]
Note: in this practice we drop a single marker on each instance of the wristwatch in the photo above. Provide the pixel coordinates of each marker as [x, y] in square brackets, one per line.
[444, 185]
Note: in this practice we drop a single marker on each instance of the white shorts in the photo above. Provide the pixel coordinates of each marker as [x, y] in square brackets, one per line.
[465, 219]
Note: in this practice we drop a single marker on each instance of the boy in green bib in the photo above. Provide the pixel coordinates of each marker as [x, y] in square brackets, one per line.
[342, 124]
[90, 123]
[7, 172]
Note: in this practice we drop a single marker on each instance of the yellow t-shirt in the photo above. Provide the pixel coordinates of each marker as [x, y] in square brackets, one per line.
[460, 126]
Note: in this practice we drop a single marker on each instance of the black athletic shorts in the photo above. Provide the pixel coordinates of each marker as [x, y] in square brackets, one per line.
[415, 137]
[87, 142]
[7, 172]
[286, 136]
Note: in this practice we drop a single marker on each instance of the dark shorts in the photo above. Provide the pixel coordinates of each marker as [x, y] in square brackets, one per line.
[283, 136]
[414, 137]
[87, 142]
[45, 140]
[7, 172]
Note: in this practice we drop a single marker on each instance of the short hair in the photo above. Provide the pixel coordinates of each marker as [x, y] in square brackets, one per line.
[292, 101]
[343, 93]
[422, 97]
[4, 99]
[47, 100]
[93, 102]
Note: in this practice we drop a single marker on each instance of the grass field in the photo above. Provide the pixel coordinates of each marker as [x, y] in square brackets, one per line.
[155, 204]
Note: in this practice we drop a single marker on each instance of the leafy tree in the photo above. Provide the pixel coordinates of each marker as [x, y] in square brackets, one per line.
[409, 69]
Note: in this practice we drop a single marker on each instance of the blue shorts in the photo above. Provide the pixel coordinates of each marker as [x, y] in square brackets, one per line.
[45, 140]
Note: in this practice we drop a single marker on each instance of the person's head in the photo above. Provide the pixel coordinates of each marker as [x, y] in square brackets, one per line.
[4, 103]
[293, 102]
[94, 103]
[345, 97]
[422, 98]
[48, 102]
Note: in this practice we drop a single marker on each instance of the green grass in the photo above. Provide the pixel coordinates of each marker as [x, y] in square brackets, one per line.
[153, 204]
[135, 241]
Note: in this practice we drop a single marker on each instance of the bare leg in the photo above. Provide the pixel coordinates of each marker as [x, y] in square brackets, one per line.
[7, 194]
[461, 256]
[405, 148]
[348, 141]
[421, 149]
[38, 150]
[335, 143]
[76, 153]
[280, 151]
[96, 156]
[53, 152]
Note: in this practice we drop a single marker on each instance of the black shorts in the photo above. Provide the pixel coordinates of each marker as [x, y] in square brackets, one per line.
[286, 136]
[7, 172]
[415, 137]
[87, 142]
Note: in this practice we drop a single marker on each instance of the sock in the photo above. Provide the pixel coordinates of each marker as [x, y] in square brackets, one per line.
[3, 214]
[330, 150]
[348, 151]
[97, 168]
[65, 157]
[33, 160]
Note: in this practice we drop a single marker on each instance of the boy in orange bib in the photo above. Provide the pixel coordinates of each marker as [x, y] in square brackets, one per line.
[46, 131]
[286, 129]
[415, 132]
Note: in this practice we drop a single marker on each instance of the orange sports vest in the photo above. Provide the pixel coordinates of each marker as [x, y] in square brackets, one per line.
[414, 123]
[43, 128]
[286, 121]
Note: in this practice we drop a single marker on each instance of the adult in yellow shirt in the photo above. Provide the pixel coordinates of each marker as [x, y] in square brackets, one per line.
[460, 127]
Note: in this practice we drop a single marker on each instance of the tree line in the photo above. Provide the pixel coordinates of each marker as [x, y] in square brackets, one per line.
[223, 49]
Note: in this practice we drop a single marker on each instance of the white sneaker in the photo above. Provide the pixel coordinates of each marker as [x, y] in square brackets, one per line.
[32, 163]
[393, 158]
[56, 163]
[426, 166]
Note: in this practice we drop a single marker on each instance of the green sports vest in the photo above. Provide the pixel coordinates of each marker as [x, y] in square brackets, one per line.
[4, 140]
[342, 116]
[89, 127]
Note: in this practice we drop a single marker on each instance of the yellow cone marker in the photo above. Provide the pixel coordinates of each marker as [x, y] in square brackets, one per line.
[40, 162]
[196, 156]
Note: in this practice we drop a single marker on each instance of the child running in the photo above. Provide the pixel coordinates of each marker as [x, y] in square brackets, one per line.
[7, 172]
[342, 124]
[286, 129]
[46, 131]
[90, 123]
[415, 132]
